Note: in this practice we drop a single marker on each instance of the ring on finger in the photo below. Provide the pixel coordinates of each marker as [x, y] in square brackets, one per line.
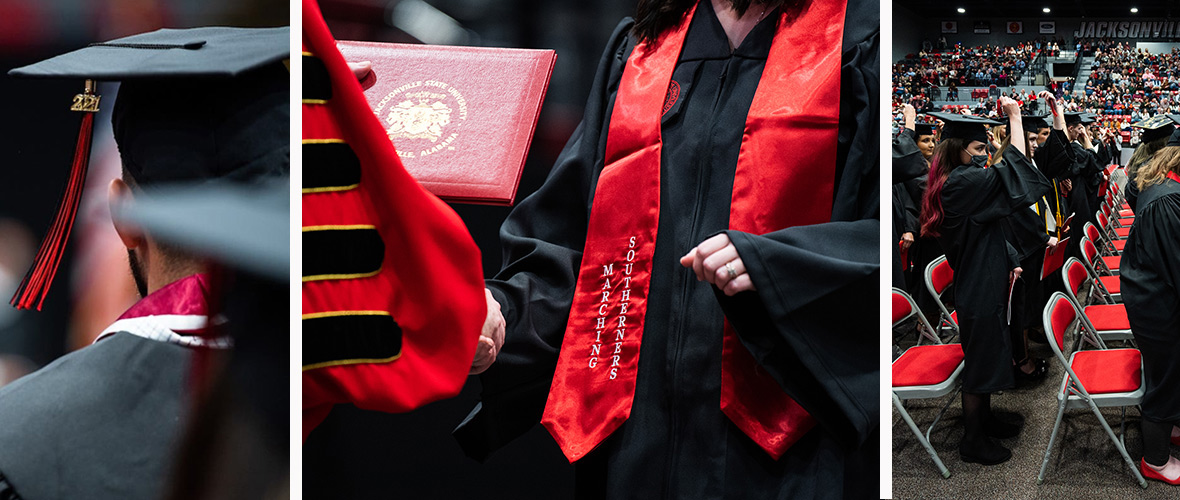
[729, 269]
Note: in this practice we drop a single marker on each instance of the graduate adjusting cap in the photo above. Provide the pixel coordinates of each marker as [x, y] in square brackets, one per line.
[1073, 118]
[1157, 127]
[1033, 123]
[194, 104]
[968, 127]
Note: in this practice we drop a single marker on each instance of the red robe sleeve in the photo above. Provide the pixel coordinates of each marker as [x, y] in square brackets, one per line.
[393, 298]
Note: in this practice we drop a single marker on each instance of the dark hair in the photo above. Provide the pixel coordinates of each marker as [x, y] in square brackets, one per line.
[941, 164]
[654, 17]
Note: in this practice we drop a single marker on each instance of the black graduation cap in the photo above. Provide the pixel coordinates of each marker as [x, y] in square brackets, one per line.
[194, 104]
[969, 127]
[924, 128]
[1157, 126]
[1073, 118]
[243, 226]
[1033, 123]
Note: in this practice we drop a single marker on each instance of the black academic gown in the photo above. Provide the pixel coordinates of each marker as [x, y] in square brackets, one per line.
[1087, 176]
[976, 203]
[1150, 280]
[1026, 232]
[908, 165]
[677, 443]
[98, 423]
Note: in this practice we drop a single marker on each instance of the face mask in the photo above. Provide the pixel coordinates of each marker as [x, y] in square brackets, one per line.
[978, 160]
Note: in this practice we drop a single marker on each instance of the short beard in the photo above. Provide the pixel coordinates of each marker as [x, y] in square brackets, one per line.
[137, 274]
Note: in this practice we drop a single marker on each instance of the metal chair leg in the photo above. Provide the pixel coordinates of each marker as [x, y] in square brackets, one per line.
[1052, 437]
[922, 439]
[1117, 444]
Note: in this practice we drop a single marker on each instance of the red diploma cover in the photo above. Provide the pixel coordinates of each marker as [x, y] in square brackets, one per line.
[461, 118]
[1054, 258]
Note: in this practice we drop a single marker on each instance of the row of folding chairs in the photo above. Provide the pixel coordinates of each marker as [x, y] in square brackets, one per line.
[1094, 379]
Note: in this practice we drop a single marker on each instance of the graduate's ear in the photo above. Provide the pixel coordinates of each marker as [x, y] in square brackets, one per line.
[119, 195]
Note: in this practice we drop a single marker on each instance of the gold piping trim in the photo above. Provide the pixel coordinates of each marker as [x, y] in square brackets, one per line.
[337, 227]
[315, 101]
[332, 314]
[306, 53]
[324, 141]
[330, 189]
[351, 362]
[322, 277]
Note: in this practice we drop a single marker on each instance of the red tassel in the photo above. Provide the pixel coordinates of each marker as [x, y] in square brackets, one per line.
[35, 286]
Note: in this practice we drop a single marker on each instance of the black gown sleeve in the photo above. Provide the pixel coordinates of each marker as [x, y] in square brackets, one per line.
[542, 242]
[990, 194]
[812, 322]
[1055, 158]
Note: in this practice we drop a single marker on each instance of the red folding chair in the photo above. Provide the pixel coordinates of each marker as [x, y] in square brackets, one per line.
[905, 308]
[1111, 259]
[939, 277]
[1108, 320]
[1115, 233]
[923, 372]
[1109, 286]
[1093, 379]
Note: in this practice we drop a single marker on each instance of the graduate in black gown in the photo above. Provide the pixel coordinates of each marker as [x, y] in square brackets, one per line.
[1156, 131]
[966, 206]
[1150, 280]
[103, 422]
[1029, 233]
[795, 320]
[1085, 179]
[909, 164]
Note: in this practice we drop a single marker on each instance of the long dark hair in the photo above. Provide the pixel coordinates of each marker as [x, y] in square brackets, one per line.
[945, 159]
[653, 17]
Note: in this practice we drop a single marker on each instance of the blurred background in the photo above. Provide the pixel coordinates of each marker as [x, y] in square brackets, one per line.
[37, 136]
[361, 454]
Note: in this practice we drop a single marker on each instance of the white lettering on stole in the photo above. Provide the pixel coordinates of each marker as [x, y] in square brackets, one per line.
[606, 304]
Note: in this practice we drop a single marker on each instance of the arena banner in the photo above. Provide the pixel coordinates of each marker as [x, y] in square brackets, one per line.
[1141, 30]
[983, 27]
[950, 26]
[1048, 27]
[1015, 27]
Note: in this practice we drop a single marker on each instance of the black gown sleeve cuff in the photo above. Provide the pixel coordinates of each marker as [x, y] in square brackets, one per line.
[819, 345]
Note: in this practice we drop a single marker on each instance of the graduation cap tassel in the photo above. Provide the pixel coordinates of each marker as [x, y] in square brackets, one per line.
[35, 286]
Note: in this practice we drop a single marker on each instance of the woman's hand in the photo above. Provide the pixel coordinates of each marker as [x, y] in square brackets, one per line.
[910, 116]
[491, 339]
[907, 239]
[716, 260]
[1010, 106]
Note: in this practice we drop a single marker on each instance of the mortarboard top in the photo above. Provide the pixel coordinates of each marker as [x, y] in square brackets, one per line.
[1073, 118]
[243, 226]
[924, 128]
[194, 104]
[1033, 123]
[969, 127]
[1157, 127]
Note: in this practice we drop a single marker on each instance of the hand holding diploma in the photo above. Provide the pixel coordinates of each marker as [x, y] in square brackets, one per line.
[491, 339]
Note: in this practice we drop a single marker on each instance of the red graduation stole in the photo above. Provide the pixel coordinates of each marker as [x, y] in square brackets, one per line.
[778, 184]
[393, 296]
